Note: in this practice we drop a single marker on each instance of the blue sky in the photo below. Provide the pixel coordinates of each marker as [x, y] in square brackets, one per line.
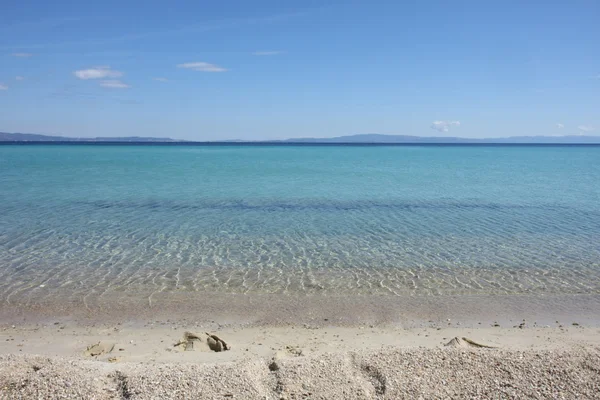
[276, 69]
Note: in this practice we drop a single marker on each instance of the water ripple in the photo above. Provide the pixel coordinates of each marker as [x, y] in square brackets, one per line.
[393, 224]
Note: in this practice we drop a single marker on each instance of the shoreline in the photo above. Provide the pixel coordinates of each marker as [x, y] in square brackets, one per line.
[243, 310]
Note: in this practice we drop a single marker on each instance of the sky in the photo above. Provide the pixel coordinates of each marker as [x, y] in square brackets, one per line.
[272, 69]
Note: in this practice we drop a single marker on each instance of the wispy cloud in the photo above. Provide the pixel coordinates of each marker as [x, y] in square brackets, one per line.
[3, 86]
[114, 84]
[560, 126]
[585, 128]
[97, 73]
[160, 79]
[266, 53]
[22, 55]
[202, 67]
[444, 126]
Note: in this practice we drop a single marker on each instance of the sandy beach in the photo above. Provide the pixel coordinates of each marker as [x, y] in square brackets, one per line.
[289, 200]
[509, 354]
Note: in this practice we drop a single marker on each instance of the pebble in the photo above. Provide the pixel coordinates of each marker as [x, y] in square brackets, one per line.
[389, 373]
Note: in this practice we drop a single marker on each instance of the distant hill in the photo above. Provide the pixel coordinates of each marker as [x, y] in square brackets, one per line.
[371, 138]
[377, 138]
[30, 137]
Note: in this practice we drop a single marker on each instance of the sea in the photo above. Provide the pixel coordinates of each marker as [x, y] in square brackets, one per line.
[300, 220]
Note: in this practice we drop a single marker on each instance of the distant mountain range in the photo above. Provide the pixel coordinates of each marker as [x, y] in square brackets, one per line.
[29, 137]
[376, 138]
[363, 138]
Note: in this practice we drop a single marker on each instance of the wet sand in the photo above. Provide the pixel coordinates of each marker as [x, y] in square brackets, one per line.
[277, 309]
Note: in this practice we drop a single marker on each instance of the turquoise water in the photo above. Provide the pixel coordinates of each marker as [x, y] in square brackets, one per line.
[385, 220]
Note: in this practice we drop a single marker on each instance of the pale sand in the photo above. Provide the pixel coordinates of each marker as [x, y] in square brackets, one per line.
[48, 360]
[286, 346]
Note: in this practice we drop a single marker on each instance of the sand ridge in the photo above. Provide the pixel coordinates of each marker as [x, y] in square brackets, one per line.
[384, 374]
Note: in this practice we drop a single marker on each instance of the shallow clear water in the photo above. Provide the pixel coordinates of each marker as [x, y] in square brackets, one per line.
[397, 220]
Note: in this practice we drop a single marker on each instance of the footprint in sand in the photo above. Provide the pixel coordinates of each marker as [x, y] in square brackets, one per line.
[287, 352]
[466, 342]
[202, 342]
[293, 350]
[188, 341]
[99, 349]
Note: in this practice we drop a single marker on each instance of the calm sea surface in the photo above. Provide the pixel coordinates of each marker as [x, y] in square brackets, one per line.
[358, 220]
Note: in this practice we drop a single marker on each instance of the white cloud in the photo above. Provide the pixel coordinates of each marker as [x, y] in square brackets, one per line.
[19, 78]
[585, 128]
[266, 53]
[444, 126]
[97, 73]
[3, 87]
[202, 67]
[114, 84]
[23, 55]
[560, 126]
[161, 79]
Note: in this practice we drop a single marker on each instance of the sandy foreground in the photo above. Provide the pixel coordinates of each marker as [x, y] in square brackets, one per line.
[299, 347]
[133, 360]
